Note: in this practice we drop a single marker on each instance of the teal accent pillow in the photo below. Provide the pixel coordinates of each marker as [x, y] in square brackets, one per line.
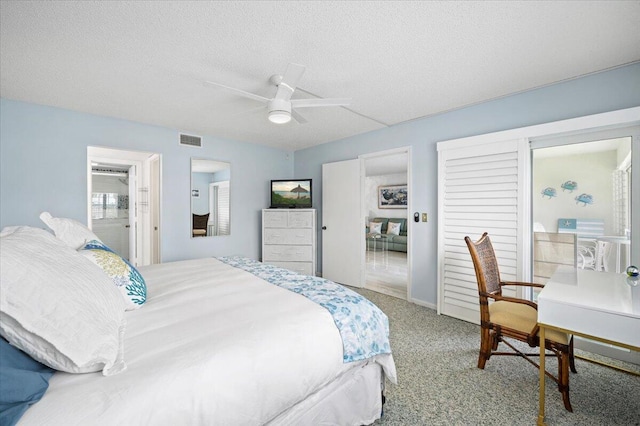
[124, 275]
[23, 381]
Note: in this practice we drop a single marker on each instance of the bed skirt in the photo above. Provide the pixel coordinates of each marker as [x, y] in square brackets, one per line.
[353, 398]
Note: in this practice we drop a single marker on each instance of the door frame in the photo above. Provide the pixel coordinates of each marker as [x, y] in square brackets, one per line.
[410, 230]
[145, 189]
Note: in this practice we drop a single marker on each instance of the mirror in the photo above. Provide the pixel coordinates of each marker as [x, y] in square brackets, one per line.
[210, 195]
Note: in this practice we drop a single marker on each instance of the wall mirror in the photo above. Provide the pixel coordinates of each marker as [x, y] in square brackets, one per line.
[210, 195]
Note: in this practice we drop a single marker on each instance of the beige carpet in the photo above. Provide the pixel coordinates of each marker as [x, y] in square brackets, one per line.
[439, 383]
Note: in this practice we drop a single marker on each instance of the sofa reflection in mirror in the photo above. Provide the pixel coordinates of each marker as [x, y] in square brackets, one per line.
[210, 196]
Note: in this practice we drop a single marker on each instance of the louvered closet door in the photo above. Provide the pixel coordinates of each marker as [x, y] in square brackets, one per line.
[478, 192]
[223, 209]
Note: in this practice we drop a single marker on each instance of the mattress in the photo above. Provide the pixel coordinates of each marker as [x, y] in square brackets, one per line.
[213, 345]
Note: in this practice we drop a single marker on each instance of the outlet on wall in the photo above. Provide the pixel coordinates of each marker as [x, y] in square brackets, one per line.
[424, 217]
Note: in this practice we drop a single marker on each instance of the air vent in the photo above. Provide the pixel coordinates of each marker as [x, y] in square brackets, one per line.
[108, 170]
[191, 140]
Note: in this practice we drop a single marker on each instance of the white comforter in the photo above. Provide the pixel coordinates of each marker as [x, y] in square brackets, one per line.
[213, 345]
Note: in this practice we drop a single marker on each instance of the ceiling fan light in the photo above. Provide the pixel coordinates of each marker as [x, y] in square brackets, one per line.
[279, 117]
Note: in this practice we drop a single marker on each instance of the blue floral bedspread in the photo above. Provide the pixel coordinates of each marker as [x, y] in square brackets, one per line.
[364, 328]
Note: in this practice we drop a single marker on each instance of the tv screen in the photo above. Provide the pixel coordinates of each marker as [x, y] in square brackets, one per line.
[295, 193]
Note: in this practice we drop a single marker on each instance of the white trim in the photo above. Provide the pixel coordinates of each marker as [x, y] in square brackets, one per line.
[155, 200]
[363, 250]
[524, 215]
[626, 163]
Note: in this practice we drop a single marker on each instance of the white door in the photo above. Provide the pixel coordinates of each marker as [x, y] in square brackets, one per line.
[342, 223]
[133, 216]
[154, 207]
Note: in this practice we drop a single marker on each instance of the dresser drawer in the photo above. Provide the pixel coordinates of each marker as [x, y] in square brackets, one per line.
[304, 268]
[288, 236]
[275, 218]
[287, 253]
[300, 219]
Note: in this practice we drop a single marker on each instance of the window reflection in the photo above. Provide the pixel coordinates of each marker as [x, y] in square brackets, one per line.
[108, 205]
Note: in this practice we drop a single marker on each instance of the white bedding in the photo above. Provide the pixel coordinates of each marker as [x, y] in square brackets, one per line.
[212, 345]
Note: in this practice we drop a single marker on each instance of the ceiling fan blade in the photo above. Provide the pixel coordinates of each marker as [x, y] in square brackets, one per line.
[307, 103]
[239, 92]
[296, 116]
[290, 81]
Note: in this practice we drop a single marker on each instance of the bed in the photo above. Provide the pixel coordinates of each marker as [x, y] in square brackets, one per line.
[223, 341]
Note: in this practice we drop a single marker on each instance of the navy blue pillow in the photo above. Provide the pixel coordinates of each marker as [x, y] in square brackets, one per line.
[23, 381]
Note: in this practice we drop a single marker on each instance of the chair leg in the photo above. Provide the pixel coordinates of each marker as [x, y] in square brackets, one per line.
[485, 347]
[494, 341]
[572, 361]
[563, 378]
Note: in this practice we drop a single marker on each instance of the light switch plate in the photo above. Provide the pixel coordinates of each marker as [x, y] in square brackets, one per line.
[424, 217]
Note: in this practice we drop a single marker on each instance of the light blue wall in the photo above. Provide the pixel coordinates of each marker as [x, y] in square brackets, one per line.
[43, 163]
[200, 181]
[602, 92]
[43, 166]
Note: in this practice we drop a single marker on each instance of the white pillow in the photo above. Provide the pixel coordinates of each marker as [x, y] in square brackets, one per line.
[57, 306]
[375, 227]
[72, 232]
[393, 228]
[8, 230]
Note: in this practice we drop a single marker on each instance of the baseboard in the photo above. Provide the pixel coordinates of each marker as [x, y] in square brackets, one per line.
[423, 303]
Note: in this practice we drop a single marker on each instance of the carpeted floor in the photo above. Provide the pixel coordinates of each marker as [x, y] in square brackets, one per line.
[439, 383]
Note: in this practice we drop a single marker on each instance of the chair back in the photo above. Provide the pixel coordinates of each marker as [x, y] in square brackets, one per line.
[485, 265]
[487, 273]
[200, 221]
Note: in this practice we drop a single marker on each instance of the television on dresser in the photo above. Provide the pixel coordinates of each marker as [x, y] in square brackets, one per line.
[291, 194]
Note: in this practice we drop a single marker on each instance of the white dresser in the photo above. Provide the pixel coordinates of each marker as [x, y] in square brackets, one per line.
[289, 239]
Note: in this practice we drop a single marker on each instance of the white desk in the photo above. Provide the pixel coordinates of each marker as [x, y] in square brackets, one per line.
[596, 305]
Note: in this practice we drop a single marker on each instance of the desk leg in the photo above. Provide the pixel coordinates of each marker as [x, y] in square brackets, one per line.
[542, 376]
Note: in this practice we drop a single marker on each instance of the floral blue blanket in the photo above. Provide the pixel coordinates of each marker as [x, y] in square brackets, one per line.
[364, 328]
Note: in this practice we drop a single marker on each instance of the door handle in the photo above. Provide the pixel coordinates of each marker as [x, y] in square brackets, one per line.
[324, 228]
[127, 226]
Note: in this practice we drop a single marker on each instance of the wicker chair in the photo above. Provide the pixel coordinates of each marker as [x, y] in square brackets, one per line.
[514, 318]
[200, 225]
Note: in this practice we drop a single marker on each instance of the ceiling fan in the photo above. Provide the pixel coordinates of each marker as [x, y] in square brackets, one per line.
[281, 107]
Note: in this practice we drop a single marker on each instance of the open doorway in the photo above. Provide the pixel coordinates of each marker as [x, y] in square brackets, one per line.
[386, 198]
[123, 192]
[110, 202]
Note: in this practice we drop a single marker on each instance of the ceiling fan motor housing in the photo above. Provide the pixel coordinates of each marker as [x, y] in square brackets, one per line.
[279, 105]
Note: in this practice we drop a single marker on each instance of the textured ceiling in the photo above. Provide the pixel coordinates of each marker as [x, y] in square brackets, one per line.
[397, 61]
